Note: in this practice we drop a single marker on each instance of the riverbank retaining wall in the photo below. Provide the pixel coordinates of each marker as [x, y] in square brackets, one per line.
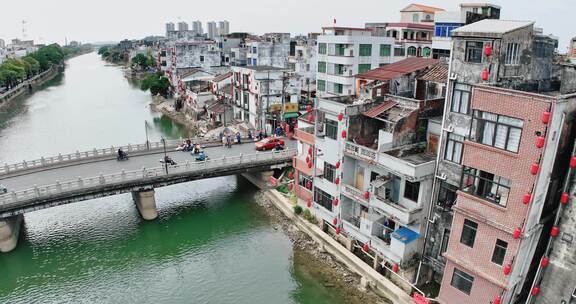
[28, 85]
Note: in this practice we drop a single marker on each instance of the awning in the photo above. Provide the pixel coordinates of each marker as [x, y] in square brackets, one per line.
[290, 115]
[379, 109]
[405, 235]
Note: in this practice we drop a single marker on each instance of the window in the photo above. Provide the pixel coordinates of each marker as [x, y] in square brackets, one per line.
[331, 127]
[329, 172]
[365, 50]
[411, 190]
[426, 52]
[415, 18]
[485, 185]
[385, 50]
[499, 252]
[474, 51]
[254, 61]
[201, 58]
[411, 51]
[445, 239]
[321, 84]
[512, 57]
[254, 50]
[339, 69]
[461, 98]
[321, 48]
[499, 131]
[462, 281]
[399, 52]
[323, 199]
[446, 195]
[338, 88]
[454, 147]
[321, 66]
[163, 62]
[305, 181]
[468, 233]
[363, 68]
[339, 49]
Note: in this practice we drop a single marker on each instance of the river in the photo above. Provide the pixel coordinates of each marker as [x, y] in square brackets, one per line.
[210, 244]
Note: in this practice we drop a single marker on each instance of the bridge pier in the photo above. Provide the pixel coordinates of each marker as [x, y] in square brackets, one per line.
[146, 203]
[259, 179]
[9, 232]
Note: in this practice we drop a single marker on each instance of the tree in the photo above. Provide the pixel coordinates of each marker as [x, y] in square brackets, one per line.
[157, 84]
[33, 63]
[142, 61]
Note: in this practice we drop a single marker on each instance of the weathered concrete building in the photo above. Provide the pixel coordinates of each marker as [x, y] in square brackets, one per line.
[497, 173]
[303, 61]
[271, 49]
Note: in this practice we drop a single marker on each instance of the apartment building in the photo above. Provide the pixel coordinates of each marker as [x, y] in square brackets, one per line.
[447, 21]
[344, 52]
[271, 49]
[572, 49]
[303, 61]
[497, 176]
[365, 166]
[260, 93]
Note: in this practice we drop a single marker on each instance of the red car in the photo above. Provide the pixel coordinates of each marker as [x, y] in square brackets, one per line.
[269, 143]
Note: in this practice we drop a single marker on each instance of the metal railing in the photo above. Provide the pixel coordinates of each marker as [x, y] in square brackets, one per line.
[95, 153]
[360, 151]
[12, 199]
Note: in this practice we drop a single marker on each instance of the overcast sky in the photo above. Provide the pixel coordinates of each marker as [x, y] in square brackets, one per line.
[110, 20]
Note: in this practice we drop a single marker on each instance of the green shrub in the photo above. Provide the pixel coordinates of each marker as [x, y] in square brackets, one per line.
[297, 209]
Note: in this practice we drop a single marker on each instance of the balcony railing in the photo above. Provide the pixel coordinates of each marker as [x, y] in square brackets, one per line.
[354, 193]
[360, 151]
[306, 135]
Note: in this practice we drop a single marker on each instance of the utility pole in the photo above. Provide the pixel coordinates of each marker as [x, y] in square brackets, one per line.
[283, 95]
[267, 99]
[146, 130]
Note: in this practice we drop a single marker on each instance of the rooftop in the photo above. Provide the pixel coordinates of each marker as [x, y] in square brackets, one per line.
[491, 26]
[346, 28]
[221, 77]
[260, 68]
[414, 154]
[394, 70]
[438, 73]
[420, 7]
[479, 5]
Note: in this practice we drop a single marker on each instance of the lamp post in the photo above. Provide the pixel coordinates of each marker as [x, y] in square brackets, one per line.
[165, 162]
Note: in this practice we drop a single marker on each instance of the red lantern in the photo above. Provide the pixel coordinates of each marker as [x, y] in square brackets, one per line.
[309, 184]
[546, 117]
[544, 262]
[337, 181]
[564, 198]
[573, 162]
[309, 150]
[526, 198]
[340, 117]
[554, 231]
[485, 75]
[507, 269]
[307, 159]
[488, 50]
[309, 203]
[310, 119]
[291, 175]
[517, 233]
[335, 221]
[497, 300]
[365, 247]
[290, 186]
[310, 165]
[535, 291]
[344, 133]
[290, 135]
[366, 195]
[338, 165]
[338, 230]
[540, 142]
[308, 108]
[335, 202]
[534, 168]
[395, 268]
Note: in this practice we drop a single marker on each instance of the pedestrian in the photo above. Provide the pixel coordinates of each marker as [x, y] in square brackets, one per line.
[223, 140]
[249, 134]
[229, 140]
[238, 137]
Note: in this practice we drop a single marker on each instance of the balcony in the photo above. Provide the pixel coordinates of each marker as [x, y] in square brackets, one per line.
[382, 200]
[303, 193]
[301, 166]
[410, 162]
[306, 135]
[355, 194]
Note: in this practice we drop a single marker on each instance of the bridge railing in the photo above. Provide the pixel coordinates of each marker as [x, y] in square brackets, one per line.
[13, 199]
[97, 153]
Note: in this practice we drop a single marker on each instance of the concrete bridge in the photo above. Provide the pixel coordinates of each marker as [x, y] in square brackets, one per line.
[64, 179]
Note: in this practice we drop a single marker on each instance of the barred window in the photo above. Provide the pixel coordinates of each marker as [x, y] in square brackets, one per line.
[385, 50]
[445, 239]
[331, 128]
[321, 48]
[321, 66]
[329, 172]
[321, 84]
[365, 50]
[486, 185]
[305, 181]
[512, 54]
[499, 131]
[323, 199]
[446, 195]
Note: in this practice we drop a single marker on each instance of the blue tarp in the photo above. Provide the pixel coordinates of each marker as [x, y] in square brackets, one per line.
[405, 235]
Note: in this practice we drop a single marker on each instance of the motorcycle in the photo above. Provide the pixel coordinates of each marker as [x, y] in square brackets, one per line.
[171, 162]
[122, 158]
[201, 156]
[3, 189]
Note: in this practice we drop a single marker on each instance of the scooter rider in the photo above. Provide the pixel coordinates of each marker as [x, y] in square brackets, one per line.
[121, 154]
